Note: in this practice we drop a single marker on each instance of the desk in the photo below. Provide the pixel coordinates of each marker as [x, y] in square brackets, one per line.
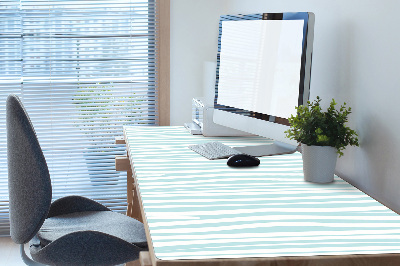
[201, 212]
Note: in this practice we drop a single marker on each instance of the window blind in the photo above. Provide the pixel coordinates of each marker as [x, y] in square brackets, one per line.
[83, 69]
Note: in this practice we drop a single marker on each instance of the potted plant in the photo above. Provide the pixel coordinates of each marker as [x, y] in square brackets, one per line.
[323, 135]
[98, 106]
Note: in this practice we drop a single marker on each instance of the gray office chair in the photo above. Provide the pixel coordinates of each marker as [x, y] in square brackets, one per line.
[70, 231]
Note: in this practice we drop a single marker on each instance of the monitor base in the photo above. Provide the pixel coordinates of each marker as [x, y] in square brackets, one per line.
[277, 148]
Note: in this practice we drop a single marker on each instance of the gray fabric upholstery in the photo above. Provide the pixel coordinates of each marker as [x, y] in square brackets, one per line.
[28, 176]
[111, 223]
[78, 231]
[72, 204]
[86, 248]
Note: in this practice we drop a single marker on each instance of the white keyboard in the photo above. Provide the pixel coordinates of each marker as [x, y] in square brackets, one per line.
[214, 150]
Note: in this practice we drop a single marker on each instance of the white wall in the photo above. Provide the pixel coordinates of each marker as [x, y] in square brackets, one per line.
[356, 59]
[194, 41]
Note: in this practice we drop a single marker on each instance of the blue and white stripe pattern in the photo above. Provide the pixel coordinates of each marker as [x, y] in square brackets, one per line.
[201, 209]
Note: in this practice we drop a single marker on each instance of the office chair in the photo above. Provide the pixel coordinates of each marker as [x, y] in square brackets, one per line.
[70, 231]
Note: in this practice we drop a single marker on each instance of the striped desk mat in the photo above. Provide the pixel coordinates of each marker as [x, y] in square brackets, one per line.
[201, 209]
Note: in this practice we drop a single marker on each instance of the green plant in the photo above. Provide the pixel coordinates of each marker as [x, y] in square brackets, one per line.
[312, 126]
[102, 106]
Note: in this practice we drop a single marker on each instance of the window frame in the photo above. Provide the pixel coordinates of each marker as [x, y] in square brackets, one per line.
[163, 36]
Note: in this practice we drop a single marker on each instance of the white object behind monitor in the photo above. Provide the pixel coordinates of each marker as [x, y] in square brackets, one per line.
[260, 71]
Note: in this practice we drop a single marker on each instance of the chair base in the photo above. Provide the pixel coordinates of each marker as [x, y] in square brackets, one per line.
[26, 259]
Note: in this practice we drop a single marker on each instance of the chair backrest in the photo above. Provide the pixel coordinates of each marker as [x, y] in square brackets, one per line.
[29, 183]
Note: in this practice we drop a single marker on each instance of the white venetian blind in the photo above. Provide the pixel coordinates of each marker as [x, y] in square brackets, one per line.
[83, 69]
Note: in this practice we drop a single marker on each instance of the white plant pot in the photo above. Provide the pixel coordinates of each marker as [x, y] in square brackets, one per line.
[319, 163]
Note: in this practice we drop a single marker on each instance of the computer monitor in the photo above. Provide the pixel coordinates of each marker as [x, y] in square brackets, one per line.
[263, 73]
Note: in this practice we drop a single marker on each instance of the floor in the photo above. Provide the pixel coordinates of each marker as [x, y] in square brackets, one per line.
[9, 253]
[10, 256]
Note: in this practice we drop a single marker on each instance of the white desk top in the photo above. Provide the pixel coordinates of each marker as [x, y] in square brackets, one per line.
[201, 209]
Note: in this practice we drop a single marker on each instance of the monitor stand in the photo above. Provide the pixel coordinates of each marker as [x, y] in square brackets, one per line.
[277, 148]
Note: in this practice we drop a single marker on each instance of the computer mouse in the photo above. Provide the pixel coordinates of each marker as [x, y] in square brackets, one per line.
[240, 160]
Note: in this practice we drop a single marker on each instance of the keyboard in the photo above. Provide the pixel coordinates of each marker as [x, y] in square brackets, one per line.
[214, 150]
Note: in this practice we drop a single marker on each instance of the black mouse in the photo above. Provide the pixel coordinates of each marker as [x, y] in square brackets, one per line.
[240, 160]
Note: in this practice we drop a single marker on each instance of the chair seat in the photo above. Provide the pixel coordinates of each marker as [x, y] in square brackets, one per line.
[107, 222]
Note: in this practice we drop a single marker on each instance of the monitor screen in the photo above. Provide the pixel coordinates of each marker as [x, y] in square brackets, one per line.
[260, 63]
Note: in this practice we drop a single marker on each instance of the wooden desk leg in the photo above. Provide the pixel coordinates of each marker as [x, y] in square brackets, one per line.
[129, 193]
[133, 200]
[133, 209]
[133, 263]
[144, 258]
[122, 164]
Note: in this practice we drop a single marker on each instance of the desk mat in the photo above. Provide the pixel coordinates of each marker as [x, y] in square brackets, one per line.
[202, 209]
